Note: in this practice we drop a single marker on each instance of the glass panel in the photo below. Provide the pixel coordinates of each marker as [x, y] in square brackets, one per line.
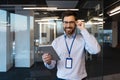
[3, 33]
[94, 63]
[94, 24]
[6, 60]
[47, 32]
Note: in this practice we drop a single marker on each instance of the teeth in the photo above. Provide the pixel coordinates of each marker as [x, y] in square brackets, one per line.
[68, 29]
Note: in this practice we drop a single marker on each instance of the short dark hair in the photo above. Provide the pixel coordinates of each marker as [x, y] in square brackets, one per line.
[68, 13]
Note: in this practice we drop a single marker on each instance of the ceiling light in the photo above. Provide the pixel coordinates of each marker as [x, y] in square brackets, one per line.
[40, 8]
[101, 14]
[47, 19]
[44, 20]
[97, 18]
[66, 10]
[49, 9]
[114, 11]
[93, 23]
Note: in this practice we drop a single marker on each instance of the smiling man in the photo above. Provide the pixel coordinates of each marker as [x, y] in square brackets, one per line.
[71, 47]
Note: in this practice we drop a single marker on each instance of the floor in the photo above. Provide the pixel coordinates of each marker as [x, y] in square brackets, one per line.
[105, 66]
[36, 72]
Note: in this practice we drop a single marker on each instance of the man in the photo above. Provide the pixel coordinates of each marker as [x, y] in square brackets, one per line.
[71, 47]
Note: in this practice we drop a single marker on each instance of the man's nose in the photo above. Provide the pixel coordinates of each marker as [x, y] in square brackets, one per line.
[68, 24]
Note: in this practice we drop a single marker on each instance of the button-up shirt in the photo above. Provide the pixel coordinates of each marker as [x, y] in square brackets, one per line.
[83, 41]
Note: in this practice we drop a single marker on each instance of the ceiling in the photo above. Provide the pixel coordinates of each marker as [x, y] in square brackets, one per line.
[84, 7]
[87, 8]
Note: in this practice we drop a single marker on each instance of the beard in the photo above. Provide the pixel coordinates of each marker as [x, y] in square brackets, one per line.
[69, 30]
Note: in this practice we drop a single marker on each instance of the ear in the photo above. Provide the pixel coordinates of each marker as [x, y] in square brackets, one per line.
[76, 22]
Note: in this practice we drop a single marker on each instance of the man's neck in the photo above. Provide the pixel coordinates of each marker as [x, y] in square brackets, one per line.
[70, 35]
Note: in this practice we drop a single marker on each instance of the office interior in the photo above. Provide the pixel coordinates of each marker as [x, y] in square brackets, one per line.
[26, 26]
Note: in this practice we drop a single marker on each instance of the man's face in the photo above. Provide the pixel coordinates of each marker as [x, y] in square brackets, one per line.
[69, 24]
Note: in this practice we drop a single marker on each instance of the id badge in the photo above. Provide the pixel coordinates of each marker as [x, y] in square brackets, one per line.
[68, 63]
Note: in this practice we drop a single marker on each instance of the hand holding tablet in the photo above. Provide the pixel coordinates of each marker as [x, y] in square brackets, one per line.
[48, 52]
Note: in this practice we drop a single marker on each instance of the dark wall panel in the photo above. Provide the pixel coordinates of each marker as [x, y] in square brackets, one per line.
[40, 2]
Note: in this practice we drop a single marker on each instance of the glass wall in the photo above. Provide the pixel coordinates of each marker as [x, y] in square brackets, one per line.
[6, 58]
[94, 63]
[30, 31]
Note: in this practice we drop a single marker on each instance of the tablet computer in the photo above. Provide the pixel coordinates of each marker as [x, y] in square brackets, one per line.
[49, 49]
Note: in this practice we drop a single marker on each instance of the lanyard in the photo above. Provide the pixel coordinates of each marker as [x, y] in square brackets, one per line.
[69, 50]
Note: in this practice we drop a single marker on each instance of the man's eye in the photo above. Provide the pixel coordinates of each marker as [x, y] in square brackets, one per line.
[70, 22]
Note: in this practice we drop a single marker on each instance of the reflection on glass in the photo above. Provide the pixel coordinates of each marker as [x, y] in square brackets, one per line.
[47, 32]
[5, 42]
[108, 36]
[20, 22]
[3, 20]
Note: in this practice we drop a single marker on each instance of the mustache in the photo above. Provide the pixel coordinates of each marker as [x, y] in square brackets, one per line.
[68, 28]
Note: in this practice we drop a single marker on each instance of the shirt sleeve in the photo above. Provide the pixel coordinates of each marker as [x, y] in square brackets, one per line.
[52, 65]
[53, 62]
[91, 44]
